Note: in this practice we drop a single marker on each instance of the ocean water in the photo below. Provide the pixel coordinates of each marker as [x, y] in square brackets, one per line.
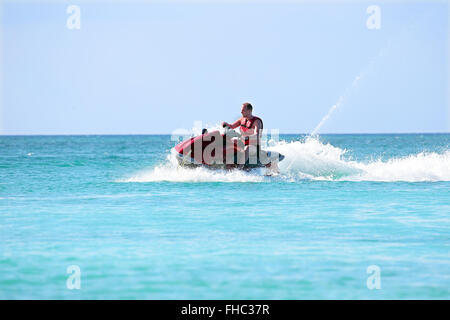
[138, 227]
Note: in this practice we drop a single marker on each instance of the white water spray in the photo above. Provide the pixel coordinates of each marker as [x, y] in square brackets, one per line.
[313, 160]
[350, 89]
[408, 29]
[324, 119]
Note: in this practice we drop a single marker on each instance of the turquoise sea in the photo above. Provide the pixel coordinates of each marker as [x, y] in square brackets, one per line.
[138, 227]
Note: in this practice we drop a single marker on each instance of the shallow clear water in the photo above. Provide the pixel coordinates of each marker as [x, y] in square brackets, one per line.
[139, 227]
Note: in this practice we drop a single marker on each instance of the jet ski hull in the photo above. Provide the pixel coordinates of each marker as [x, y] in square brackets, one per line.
[215, 151]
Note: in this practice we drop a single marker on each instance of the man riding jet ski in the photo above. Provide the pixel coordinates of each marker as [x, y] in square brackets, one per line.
[229, 149]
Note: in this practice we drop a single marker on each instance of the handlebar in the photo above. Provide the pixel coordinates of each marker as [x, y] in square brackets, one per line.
[230, 132]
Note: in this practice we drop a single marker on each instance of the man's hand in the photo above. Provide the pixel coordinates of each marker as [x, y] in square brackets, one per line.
[233, 125]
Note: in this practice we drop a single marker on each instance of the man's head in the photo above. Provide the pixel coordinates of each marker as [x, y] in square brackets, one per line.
[246, 110]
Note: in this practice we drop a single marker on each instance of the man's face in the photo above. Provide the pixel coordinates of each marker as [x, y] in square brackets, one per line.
[245, 113]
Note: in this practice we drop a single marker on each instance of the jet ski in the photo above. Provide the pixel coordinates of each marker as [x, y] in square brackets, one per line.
[221, 149]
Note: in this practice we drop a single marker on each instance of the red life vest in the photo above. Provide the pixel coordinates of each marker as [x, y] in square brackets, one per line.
[247, 124]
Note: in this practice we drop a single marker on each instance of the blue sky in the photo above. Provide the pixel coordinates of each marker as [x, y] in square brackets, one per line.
[147, 67]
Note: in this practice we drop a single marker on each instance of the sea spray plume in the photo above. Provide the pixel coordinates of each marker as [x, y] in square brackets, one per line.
[406, 29]
[349, 90]
[313, 159]
[324, 119]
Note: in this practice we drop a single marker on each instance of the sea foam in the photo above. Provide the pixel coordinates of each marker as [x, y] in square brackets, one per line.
[311, 159]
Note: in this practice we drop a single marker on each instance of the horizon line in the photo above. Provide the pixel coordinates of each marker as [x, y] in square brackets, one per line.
[168, 134]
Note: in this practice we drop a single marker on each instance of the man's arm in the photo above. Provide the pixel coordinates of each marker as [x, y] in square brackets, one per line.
[234, 125]
[258, 129]
[257, 135]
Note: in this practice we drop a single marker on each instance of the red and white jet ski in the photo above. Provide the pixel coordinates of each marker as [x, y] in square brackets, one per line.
[222, 150]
